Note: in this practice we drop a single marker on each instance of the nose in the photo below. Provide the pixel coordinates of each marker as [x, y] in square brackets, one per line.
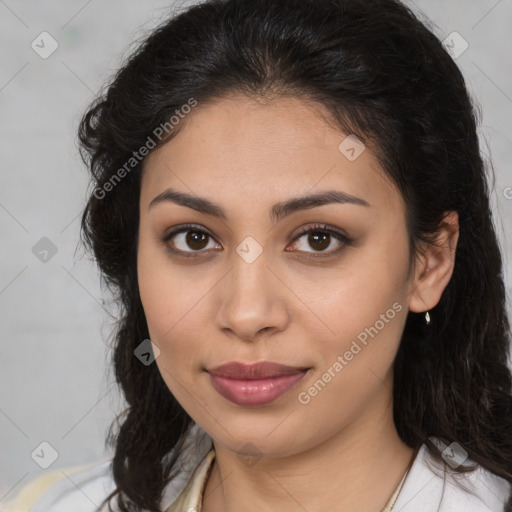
[252, 300]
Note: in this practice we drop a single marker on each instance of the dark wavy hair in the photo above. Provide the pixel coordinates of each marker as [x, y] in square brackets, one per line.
[383, 76]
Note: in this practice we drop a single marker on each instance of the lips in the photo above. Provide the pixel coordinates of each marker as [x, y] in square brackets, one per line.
[254, 385]
[263, 370]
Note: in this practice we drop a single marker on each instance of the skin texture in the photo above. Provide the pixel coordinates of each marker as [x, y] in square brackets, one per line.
[203, 311]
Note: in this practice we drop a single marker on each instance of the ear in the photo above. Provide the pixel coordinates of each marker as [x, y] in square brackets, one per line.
[434, 266]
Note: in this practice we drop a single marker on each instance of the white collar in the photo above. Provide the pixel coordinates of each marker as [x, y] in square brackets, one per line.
[429, 487]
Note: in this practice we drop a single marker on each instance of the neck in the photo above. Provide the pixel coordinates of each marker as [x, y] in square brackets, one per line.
[335, 475]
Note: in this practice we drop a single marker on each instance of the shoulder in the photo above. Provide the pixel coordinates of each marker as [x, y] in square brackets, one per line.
[79, 488]
[478, 490]
[431, 486]
[84, 488]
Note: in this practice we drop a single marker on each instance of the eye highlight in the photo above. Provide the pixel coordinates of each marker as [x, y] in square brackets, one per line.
[195, 237]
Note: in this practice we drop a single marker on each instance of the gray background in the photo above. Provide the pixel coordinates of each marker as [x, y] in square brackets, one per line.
[54, 381]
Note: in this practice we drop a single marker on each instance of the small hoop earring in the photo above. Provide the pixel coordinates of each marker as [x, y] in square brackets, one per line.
[427, 318]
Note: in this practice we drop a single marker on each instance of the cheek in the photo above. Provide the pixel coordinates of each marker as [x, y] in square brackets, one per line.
[355, 296]
[154, 288]
[172, 304]
[361, 310]
[168, 314]
[355, 361]
[158, 292]
[163, 296]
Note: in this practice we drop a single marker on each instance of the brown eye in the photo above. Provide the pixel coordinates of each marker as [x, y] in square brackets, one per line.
[187, 240]
[320, 238]
[196, 240]
[318, 241]
[190, 240]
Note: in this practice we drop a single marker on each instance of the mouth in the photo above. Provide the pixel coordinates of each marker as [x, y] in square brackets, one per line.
[255, 384]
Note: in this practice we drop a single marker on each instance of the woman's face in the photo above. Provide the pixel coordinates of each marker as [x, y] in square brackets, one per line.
[243, 285]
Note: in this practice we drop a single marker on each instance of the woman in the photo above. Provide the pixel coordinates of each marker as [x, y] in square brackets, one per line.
[290, 201]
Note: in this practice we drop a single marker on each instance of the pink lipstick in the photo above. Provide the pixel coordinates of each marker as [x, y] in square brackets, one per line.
[254, 384]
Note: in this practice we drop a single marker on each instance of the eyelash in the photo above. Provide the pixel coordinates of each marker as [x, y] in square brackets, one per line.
[317, 229]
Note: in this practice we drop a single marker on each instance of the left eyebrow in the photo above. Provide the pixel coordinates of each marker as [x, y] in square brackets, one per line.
[278, 211]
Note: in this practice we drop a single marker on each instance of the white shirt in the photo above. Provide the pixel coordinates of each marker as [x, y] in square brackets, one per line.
[428, 487]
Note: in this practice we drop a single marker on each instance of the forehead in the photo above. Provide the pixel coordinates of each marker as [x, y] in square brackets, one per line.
[241, 150]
